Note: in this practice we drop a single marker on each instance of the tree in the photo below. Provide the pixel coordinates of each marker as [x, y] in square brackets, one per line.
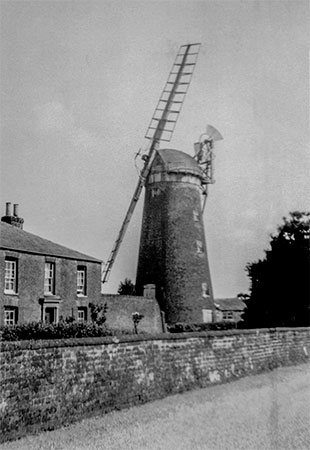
[98, 313]
[126, 287]
[280, 293]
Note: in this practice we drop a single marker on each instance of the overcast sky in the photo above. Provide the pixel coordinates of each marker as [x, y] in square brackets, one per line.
[80, 81]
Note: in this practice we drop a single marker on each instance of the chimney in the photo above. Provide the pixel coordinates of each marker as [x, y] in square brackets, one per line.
[8, 209]
[10, 218]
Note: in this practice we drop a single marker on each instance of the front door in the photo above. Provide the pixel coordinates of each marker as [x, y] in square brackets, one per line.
[50, 315]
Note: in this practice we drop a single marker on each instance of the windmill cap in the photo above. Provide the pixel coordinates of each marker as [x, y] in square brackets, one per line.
[177, 161]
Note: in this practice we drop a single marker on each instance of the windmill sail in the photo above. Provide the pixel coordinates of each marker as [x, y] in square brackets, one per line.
[160, 128]
[172, 97]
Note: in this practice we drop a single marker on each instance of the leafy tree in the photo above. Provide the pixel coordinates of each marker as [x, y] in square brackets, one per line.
[136, 318]
[280, 293]
[126, 287]
[98, 313]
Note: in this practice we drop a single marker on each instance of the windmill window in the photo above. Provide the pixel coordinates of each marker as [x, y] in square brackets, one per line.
[207, 315]
[196, 216]
[205, 290]
[155, 192]
[199, 247]
[10, 277]
[81, 280]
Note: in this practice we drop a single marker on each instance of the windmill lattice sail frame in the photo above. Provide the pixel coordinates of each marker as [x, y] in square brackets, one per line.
[161, 128]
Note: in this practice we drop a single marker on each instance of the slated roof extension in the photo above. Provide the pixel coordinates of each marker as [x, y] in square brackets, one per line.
[229, 304]
[15, 239]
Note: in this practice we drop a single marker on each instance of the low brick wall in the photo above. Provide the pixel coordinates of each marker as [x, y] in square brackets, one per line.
[46, 384]
[121, 308]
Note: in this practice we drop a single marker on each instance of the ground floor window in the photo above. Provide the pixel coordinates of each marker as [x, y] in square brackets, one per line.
[228, 315]
[10, 315]
[82, 314]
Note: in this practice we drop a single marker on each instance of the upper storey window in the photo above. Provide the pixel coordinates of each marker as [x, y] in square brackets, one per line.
[49, 278]
[10, 279]
[81, 280]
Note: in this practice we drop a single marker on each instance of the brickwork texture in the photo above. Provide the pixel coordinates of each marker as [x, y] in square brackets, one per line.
[31, 286]
[172, 231]
[47, 384]
[121, 307]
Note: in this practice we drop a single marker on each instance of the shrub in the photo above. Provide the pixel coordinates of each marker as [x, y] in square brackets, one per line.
[61, 330]
[98, 313]
[192, 327]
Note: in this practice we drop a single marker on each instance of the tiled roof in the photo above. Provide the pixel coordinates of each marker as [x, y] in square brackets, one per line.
[229, 304]
[15, 239]
[177, 161]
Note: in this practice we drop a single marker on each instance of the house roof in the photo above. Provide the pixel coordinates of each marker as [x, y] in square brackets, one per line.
[14, 239]
[177, 161]
[229, 304]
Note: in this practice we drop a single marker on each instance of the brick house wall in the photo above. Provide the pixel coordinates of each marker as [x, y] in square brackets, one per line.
[30, 292]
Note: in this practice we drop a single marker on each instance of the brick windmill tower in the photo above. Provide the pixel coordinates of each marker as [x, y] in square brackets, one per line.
[173, 252]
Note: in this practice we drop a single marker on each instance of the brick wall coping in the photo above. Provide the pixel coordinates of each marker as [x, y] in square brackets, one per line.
[127, 297]
[78, 342]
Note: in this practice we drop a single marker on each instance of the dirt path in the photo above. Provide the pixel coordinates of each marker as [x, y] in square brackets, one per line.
[263, 412]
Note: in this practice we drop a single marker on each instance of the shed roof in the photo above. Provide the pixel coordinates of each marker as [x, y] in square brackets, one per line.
[177, 161]
[229, 304]
[14, 239]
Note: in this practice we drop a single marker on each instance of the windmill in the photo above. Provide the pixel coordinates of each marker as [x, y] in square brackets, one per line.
[204, 157]
[161, 128]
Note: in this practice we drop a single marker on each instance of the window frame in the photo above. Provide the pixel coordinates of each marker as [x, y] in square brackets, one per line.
[83, 291]
[12, 279]
[228, 315]
[196, 216]
[82, 310]
[199, 247]
[47, 283]
[10, 321]
[205, 289]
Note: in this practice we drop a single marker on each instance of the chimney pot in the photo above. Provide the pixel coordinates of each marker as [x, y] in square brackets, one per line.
[15, 210]
[8, 209]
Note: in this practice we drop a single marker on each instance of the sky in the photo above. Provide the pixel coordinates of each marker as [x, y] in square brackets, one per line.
[79, 83]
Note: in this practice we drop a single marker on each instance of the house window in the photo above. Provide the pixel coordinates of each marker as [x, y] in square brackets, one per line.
[199, 247]
[10, 278]
[81, 280]
[10, 316]
[82, 314]
[49, 278]
[228, 315]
